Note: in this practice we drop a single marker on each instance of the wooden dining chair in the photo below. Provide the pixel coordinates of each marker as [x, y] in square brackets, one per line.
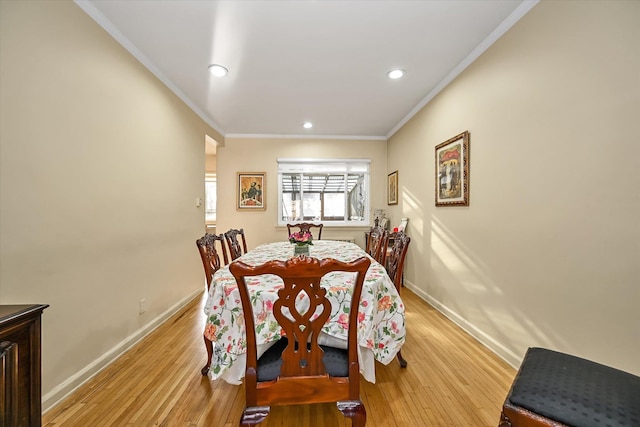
[235, 250]
[297, 370]
[209, 254]
[211, 263]
[395, 261]
[306, 226]
[395, 266]
[377, 244]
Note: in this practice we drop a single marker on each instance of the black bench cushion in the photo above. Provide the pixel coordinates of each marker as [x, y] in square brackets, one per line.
[576, 392]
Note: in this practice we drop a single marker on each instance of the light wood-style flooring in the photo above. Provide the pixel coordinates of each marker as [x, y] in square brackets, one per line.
[451, 380]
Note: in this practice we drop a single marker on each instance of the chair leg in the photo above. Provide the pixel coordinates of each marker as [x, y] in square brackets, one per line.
[355, 410]
[209, 346]
[254, 415]
[403, 363]
[504, 421]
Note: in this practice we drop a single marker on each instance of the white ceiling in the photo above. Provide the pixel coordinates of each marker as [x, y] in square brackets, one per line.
[323, 61]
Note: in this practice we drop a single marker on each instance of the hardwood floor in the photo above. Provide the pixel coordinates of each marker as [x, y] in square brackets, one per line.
[451, 380]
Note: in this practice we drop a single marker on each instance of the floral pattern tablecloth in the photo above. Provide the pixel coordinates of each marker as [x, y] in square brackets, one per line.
[381, 327]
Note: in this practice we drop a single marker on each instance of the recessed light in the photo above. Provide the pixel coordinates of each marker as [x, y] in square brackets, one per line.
[307, 125]
[395, 74]
[218, 70]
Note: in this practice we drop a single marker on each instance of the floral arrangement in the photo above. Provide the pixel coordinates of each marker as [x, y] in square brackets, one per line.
[301, 238]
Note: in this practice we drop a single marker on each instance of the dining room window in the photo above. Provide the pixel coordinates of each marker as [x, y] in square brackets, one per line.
[210, 196]
[333, 191]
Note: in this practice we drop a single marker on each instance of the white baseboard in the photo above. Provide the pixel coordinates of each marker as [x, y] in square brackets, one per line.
[63, 390]
[500, 350]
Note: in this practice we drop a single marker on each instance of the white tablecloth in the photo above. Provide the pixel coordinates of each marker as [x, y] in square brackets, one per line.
[381, 327]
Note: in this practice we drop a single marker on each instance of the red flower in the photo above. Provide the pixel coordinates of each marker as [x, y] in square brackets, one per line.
[210, 331]
[384, 303]
[343, 320]
[301, 238]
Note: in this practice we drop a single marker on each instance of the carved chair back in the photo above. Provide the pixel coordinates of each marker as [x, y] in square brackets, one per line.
[297, 369]
[306, 226]
[235, 250]
[395, 260]
[377, 244]
[209, 254]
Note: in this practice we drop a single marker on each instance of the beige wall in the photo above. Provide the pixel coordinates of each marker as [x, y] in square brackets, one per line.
[211, 163]
[100, 169]
[260, 155]
[547, 253]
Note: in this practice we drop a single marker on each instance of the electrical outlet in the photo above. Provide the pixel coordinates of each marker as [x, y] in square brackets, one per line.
[143, 306]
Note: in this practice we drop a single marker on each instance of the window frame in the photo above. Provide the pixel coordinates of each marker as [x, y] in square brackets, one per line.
[329, 166]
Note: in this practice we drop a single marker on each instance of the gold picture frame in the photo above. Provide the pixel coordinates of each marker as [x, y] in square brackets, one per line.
[392, 188]
[452, 171]
[251, 188]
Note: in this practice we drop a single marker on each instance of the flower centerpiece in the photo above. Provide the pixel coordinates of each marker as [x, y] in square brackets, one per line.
[302, 240]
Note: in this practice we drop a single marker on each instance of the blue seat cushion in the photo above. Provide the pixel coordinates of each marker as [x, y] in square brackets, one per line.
[575, 391]
[336, 361]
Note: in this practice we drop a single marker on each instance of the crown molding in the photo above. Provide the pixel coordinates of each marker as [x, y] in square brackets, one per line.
[108, 26]
[288, 136]
[504, 26]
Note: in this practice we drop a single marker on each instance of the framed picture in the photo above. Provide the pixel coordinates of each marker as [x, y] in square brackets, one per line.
[251, 189]
[452, 171]
[392, 188]
[403, 225]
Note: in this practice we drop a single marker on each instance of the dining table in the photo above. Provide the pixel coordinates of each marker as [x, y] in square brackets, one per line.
[381, 313]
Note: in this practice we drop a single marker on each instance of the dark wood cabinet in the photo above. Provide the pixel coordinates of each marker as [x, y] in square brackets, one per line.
[20, 358]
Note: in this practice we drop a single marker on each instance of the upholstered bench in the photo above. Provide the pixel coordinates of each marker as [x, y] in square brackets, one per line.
[556, 389]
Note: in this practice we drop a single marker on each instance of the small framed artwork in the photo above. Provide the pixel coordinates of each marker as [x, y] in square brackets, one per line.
[392, 188]
[452, 171]
[403, 225]
[251, 189]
